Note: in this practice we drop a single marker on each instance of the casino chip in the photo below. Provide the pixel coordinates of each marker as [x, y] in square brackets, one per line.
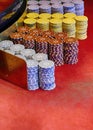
[69, 27]
[40, 57]
[6, 44]
[28, 53]
[68, 8]
[41, 45]
[81, 27]
[56, 51]
[71, 50]
[47, 75]
[32, 75]
[55, 25]
[17, 48]
[43, 24]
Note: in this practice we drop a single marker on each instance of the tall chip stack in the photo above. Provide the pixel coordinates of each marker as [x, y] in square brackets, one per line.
[56, 51]
[47, 75]
[69, 27]
[70, 50]
[79, 7]
[81, 27]
[32, 74]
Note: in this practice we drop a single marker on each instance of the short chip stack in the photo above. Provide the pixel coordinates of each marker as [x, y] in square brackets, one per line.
[46, 75]
[81, 27]
[32, 74]
[70, 50]
[41, 45]
[56, 51]
[69, 26]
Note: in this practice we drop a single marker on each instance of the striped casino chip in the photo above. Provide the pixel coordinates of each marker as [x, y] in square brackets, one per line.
[23, 29]
[56, 51]
[40, 57]
[71, 50]
[6, 44]
[17, 48]
[32, 75]
[16, 38]
[47, 75]
[28, 53]
[41, 45]
[29, 41]
[61, 36]
[49, 34]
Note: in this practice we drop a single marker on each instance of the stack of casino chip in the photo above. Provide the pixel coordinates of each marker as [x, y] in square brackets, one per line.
[79, 7]
[69, 26]
[16, 37]
[49, 34]
[6, 44]
[43, 24]
[32, 8]
[56, 51]
[57, 8]
[47, 75]
[81, 27]
[28, 53]
[70, 50]
[32, 75]
[55, 25]
[40, 57]
[45, 9]
[29, 41]
[41, 45]
[69, 8]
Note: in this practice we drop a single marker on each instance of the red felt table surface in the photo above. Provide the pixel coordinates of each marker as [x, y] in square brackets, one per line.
[68, 107]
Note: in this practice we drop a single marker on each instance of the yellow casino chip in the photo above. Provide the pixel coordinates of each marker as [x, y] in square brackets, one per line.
[81, 18]
[57, 15]
[69, 21]
[32, 15]
[69, 15]
[45, 15]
